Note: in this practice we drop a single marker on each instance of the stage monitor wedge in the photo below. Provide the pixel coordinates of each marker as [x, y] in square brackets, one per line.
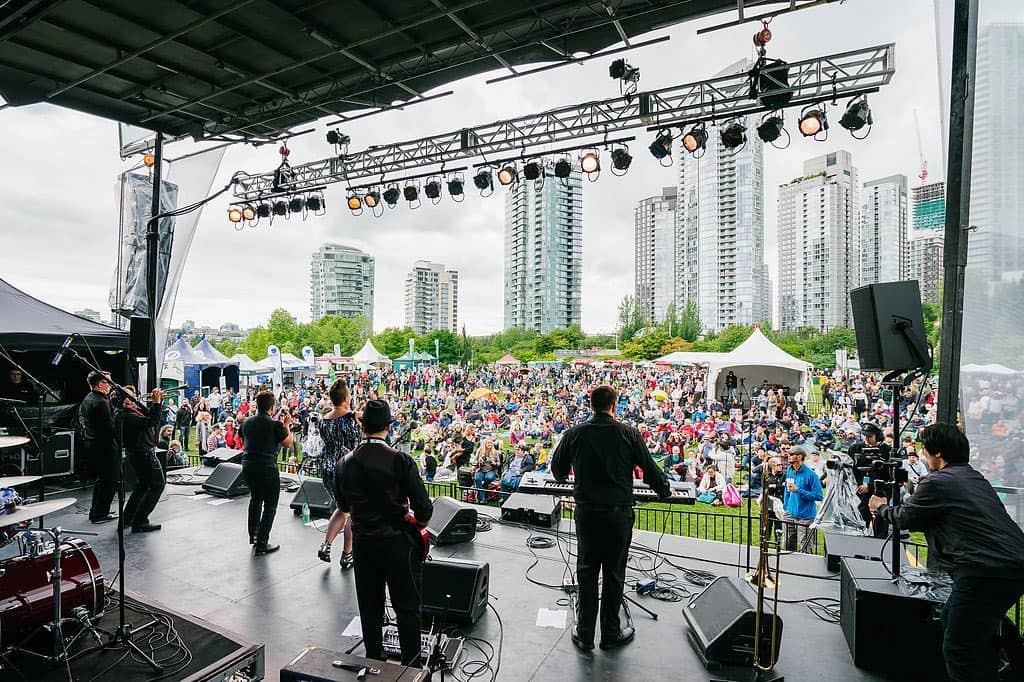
[226, 481]
[889, 323]
[721, 622]
[451, 522]
[314, 493]
[455, 590]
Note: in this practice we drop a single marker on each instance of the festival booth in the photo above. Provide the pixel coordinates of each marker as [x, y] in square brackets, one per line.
[412, 360]
[368, 355]
[508, 361]
[293, 367]
[247, 368]
[209, 366]
[755, 360]
[177, 359]
[684, 358]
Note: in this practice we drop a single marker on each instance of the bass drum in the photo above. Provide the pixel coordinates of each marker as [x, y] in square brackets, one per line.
[26, 594]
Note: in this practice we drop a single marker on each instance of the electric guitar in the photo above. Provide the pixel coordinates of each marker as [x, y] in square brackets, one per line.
[418, 535]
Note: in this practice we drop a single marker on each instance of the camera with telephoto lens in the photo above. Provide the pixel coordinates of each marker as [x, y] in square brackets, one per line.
[885, 474]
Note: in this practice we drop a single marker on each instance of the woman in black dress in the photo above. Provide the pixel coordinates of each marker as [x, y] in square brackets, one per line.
[340, 433]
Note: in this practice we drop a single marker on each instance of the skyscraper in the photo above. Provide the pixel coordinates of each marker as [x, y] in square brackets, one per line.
[544, 253]
[654, 227]
[884, 256]
[431, 298]
[819, 244]
[925, 245]
[720, 230]
[341, 282]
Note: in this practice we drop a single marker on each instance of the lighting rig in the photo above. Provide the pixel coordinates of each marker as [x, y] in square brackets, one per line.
[573, 139]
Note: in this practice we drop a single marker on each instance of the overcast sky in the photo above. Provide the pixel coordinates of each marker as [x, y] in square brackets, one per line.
[58, 212]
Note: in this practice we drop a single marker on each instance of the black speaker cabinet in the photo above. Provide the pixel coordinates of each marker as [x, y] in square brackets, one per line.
[879, 312]
[317, 665]
[314, 493]
[455, 590]
[215, 457]
[838, 545]
[535, 510]
[451, 522]
[226, 481]
[58, 456]
[140, 332]
[881, 624]
[722, 621]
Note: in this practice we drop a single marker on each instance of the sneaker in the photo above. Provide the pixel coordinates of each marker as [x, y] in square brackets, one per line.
[324, 553]
[347, 560]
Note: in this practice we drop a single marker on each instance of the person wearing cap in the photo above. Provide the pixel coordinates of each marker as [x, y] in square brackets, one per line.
[96, 417]
[799, 498]
[871, 438]
[263, 436]
[378, 486]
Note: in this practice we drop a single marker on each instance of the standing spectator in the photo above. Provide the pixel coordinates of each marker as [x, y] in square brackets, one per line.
[204, 426]
[803, 490]
[214, 402]
[183, 423]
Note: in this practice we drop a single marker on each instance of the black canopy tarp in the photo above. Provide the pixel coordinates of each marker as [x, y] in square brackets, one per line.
[26, 323]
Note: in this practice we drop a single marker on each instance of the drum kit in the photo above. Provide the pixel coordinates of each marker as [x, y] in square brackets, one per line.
[54, 582]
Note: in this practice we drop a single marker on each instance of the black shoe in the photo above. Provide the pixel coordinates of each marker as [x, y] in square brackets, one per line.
[324, 553]
[625, 636]
[104, 519]
[266, 549]
[252, 540]
[146, 528]
[581, 643]
[346, 560]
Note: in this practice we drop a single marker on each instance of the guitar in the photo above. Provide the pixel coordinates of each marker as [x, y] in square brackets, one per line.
[418, 535]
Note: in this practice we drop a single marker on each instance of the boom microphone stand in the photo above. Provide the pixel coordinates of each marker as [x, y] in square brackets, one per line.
[120, 639]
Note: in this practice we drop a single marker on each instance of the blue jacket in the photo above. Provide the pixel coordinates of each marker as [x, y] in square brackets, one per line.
[800, 504]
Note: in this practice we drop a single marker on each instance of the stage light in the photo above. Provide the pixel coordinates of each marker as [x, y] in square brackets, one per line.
[455, 187]
[563, 168]
[411, 193]
[696, 139]
[770, 129]
[391, 195]
[432, 189]
[235, 214]
[248, 213]
[662, 146]
[733, 135]
[281, 207]
[148, 159]
[336, 138]
[532, 170]
[856, 116]
[621, 159]
[813, 122]
[314, 202]
[295, 204]
[483, 180]
[617, 69]
[263, 210]
[590, 163]
[354, 202]
[371, 198]
[507, 175]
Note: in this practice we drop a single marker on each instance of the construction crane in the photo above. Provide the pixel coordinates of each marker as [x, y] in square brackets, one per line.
[923, 175]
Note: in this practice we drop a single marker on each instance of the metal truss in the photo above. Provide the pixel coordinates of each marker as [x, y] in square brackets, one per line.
[838, 76]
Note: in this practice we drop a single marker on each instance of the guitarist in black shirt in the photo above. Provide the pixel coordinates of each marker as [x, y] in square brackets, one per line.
[377, 485]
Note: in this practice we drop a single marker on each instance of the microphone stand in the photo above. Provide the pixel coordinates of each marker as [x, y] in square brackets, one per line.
[120, 639]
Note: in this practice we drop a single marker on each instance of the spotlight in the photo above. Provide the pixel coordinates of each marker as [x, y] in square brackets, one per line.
[354, 202]
[483, 180]
[662, 145]
[590, 163]
[148, 160]
[314, 202]
[856, 116]
[281, 207]
[336, 138]
[532, 170]
[263, 210]
[733, 135]
[391, 196]
[563, 168]
[371, 198]
[621, 159]
[617, 69]
[295, 204]
[455, 187]
[696, 139]
[508, 175]
[432, 189]
[411, 193]
[235, 214]
[770, 129]
[248, 213]
[813, 122]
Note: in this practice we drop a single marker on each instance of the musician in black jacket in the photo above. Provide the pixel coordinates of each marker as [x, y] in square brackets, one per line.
[96, 420]
[138, 430]
[378, 485]
[602, 453]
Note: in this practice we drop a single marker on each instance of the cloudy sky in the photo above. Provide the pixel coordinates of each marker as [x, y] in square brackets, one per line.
[59, 211]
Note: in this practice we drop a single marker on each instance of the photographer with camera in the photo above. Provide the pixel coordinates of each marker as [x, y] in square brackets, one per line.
[864, 454]
[971, 537]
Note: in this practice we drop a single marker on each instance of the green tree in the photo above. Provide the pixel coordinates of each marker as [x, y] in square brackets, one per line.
[631, 318]
[689, 324]
[670, 325]
[394, 342]
[449, 347]
[646, 347]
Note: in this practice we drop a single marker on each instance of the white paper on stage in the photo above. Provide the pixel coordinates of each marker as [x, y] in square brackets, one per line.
[354, 629]
[217, 503]
[551, 618]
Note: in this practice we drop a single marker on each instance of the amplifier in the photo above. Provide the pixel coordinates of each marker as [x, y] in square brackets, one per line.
[535, 510]
[58, 456]
[317, 665]
[838, 545]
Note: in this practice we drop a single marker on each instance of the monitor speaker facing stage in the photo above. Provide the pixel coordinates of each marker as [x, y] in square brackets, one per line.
[451, 522]
[455, 590]
[535, 510]
[215, 457]
[889, 323]
[314, 493]
[226, 481]
[721, 620]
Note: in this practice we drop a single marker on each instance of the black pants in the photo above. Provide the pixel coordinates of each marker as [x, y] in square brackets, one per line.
[103, 462]
[389, 562]
[604, 535]
[264, 490]
[149, 485]
[970, 621]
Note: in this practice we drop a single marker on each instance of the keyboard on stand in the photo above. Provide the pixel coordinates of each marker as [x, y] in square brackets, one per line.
[536, 483]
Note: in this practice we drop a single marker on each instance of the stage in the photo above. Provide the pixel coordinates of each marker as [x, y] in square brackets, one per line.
[202, 564]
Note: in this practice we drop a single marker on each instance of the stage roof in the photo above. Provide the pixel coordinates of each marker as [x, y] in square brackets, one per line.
[257, 69]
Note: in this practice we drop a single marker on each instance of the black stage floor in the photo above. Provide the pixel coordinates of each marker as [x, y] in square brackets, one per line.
[201, 564]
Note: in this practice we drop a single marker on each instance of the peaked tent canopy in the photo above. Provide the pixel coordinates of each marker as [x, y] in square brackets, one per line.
[684, 357]
[508, 360]
[30, 324]
[757, 359]
[246, 365]
[209, 356]
[180, 352]
[369, 355]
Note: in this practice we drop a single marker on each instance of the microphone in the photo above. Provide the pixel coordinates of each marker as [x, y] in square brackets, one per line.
[63, 348]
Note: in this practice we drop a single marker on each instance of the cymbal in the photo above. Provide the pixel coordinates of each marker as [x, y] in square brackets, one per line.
[12, 441]
[12, 481]
[28, 512]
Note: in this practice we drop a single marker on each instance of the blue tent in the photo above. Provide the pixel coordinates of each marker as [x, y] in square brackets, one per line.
[208, 366]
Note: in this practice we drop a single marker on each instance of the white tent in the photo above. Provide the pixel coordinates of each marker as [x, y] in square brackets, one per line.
[994, 369]
[683, 357]
[246, 365]
[369, 355]
[755, 360]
